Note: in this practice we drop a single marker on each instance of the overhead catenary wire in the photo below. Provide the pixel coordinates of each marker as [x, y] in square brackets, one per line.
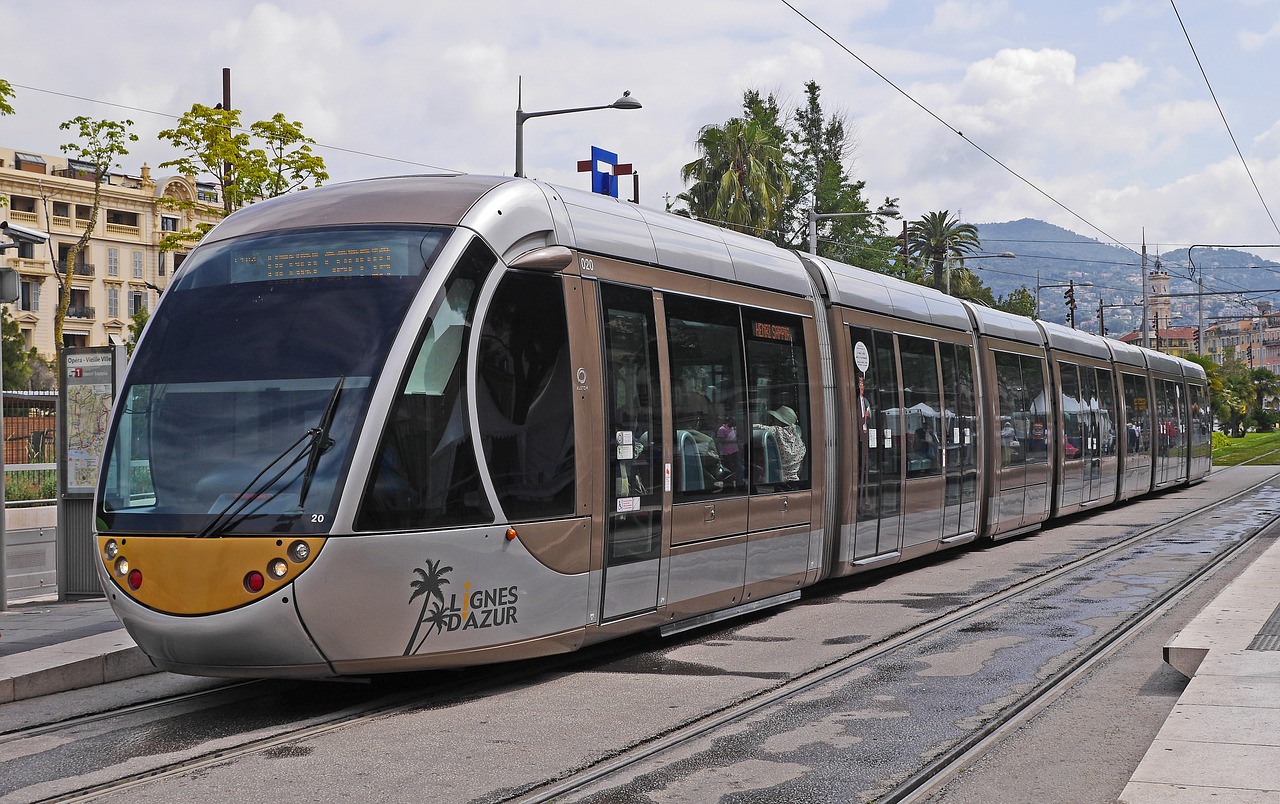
[1111, 238]
[171, 116]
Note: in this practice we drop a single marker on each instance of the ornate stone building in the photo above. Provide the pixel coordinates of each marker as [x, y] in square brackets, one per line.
[121, 270]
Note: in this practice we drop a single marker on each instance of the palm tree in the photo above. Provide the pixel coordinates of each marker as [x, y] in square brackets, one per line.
[429, 584]
[740, 180]
[939, 236]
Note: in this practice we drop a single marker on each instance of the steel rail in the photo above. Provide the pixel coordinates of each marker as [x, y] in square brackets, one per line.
[749, 705]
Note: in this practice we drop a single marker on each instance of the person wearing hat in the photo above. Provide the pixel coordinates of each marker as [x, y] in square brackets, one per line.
[791, 448]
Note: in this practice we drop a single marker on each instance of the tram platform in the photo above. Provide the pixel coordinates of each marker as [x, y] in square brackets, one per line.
[1221, 742]
[47, 646]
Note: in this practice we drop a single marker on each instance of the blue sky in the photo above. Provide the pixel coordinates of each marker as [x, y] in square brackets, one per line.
[1099, 105]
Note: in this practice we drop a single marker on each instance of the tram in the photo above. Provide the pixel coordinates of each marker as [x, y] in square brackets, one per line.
[433, 421]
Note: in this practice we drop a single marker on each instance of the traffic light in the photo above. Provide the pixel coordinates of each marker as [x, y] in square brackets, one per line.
[1070, 294]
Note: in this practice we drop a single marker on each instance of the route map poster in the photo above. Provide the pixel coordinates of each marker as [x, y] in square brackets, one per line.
[90, 388]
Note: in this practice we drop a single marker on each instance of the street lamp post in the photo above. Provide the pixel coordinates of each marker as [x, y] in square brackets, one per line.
[625, 102]
[886, 211]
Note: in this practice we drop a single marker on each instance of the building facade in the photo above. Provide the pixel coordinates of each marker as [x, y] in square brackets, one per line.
[120, 271]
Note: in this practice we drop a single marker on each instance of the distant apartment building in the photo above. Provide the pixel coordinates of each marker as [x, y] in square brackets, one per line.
[1254, 340]
[121, 270]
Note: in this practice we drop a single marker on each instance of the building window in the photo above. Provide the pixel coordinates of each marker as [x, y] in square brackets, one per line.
[113, 262]
[160, 264]
[30, 295]
[137, 265]
[122, 218]
[113, 302]
[168, 223]
[137, 301]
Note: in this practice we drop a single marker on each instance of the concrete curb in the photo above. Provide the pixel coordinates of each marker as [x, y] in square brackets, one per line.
[97, 659]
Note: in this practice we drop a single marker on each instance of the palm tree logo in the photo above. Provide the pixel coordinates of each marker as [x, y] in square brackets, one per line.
[429, 585]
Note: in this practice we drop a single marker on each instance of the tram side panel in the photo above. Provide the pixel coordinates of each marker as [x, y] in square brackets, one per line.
[911, 453]
[739, 465]
[1087, 415]
[1020, 431]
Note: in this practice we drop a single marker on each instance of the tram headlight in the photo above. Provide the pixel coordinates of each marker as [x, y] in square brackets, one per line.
[299, 551]
[111, 550]
[122, 566]
[277, 568]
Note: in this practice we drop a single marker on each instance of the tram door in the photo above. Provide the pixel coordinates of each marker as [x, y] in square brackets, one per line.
[634, 478]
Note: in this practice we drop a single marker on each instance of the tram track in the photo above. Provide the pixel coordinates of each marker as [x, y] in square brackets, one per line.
[930, 777]
[443, 691]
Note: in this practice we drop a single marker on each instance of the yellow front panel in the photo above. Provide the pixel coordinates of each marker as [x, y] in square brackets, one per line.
[186, 575]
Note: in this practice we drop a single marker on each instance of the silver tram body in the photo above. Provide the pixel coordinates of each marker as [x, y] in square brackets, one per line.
[445, 420]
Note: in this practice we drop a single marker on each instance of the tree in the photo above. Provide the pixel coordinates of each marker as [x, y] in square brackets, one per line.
[17, 357]
[290, 164]
[101, 143]
[213, 143]
[6, 97]
[740, 179]
[137, 323]
[1020, 301]
[1265, 385]
[938, 237]
[820, 146]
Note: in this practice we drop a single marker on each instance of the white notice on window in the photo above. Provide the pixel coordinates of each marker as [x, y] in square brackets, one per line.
[628, 504]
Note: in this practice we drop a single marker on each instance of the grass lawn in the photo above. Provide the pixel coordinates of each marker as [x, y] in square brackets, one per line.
[1254, 448]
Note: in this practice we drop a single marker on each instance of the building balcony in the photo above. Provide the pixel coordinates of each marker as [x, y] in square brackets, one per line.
[62, 222]
[80, 311]
[26, 218]
[24, 265]
[83, 269]
[124, 230]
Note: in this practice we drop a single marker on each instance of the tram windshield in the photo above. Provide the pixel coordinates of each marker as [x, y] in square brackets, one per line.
[241, 404]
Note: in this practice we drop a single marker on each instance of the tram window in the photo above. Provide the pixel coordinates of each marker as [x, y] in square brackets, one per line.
[1106, 412]
[709, 403]
[1012, 397]
[1201, 423]
[922, 401]
[1170, 414]
[633, 527]
[1034, 417]
[1137, 414]
[525, 398]
[1074, 412]
[778, 398]
[425, 474]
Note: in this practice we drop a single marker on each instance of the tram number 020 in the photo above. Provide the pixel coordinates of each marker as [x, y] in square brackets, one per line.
[585, 264]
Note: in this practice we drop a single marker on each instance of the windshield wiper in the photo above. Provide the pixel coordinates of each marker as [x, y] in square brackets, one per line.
[252, 492]
[320, 444]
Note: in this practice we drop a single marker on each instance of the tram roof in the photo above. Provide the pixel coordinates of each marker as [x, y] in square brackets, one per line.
[1067, 339]
[517, 215]
[861, 289]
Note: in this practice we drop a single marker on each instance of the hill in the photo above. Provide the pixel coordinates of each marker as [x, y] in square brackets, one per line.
[1051, 255]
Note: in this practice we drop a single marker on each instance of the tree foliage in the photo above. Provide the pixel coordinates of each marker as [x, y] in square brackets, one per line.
[212, 143]
[6, 97]
[938, 238]
[17, 357]
[762, 173]
[1020, 301]
[100, 143]
[739, 179]
[270, 158]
